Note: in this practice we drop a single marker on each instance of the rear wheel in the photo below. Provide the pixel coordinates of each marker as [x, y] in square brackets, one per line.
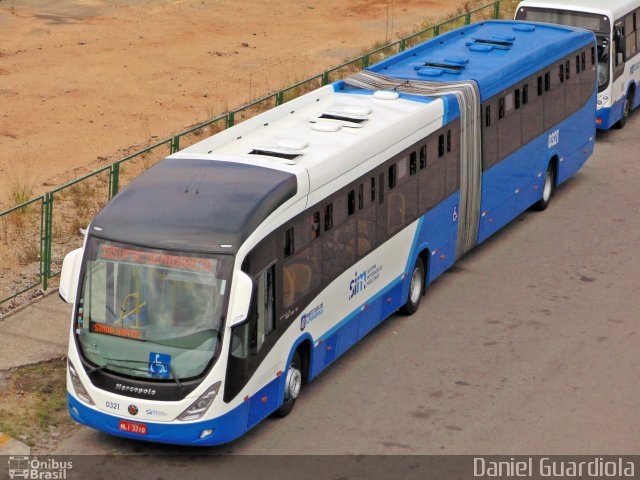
[416, 288]
[292, 386]
[548, 189]
[626, 111]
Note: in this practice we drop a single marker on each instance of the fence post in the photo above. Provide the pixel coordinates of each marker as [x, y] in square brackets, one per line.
[279, 98]
[436, 30]
[325, 77]
[230, 119]
[403, 45]
[365, 61]
[467, 18]
[115, 179]
[496, 10]
[48, 221]
[174, 146]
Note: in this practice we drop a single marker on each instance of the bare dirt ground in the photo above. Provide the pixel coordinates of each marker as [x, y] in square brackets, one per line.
[80, 79]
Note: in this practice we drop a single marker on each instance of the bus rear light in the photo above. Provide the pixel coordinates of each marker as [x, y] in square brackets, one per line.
[598, 121]
[78, 387]
[201, 405]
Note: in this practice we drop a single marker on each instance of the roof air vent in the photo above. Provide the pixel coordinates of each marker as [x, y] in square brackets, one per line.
[499, 42]
[386, 95]
[292, 144]
[325, 126]
[356, 109]
[282, 153]
[346, 119]
[522, 27]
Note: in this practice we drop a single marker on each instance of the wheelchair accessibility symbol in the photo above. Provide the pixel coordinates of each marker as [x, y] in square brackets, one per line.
[159, 365]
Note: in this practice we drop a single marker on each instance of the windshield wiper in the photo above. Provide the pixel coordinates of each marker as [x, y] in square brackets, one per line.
[126, 360]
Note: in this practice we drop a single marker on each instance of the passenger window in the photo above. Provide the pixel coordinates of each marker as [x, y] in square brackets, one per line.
[441, 146]
[373, 189]
[487, 116]
[351, 203]
[525, 94]
[315, 225]
[448, 141]
[423, 157]
[328, 217]
[547, 81]
[517, 98]
[578, 64]
[508, 102]
[381, 183]
[301, 274]
[540, 86]
[584, 61]
[288, 242]
[501, 108]
[413, 167]
[561, 73]
[361, 196]
[402, 168]
[392, 176]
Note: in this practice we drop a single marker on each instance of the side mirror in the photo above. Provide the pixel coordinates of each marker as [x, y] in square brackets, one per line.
[70, 275]
[240, 301]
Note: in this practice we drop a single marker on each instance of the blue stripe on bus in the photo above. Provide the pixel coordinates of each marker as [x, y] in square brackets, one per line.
[226, 428]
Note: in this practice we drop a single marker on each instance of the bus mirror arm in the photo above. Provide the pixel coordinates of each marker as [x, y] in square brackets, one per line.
[70, 275]
[242, 289]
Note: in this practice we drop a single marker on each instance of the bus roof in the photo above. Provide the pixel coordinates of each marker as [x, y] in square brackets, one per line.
[217, 191]
[495, 54]
[611, 8]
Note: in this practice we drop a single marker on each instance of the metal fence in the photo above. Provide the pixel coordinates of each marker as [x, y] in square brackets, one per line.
[35, 236]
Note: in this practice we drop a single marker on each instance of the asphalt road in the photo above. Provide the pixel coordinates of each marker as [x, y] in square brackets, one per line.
[528, 346]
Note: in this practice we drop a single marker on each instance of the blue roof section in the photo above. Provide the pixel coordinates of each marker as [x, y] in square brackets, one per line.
[494, 53]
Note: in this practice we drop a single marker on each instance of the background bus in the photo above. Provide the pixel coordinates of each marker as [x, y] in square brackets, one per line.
[225, 277]
[616, 24]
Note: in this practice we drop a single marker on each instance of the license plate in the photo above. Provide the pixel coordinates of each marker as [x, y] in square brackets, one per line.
[132, 427]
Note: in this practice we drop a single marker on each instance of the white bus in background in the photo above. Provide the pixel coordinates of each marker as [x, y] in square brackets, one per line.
[616, 24]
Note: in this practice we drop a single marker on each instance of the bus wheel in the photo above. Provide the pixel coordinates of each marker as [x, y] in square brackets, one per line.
[292, 386]
[416, 287]
[626, 111]
[548, 189]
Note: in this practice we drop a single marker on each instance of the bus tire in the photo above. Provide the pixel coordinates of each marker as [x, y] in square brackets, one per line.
[292, 387]
[548, 189]
[626, 111]
[416, 288]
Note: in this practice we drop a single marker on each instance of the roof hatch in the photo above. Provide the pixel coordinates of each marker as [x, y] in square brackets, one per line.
[282, 153]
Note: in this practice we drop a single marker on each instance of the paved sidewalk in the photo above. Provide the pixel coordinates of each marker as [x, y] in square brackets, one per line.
[37, 333]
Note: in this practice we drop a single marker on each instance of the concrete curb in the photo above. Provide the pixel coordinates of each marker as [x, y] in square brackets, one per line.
[11, 446]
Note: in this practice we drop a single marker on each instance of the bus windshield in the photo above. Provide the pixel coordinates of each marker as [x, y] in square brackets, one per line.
[150, 313]
[588, 21]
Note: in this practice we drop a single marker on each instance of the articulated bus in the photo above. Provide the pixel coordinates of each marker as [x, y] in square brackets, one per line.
[227, 276]
[616, 24]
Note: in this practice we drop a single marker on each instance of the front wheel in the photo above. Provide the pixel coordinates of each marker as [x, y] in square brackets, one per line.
[548, 189]
[416, 288]
[292, 386]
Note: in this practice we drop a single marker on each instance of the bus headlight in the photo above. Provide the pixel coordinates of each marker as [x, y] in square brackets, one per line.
[201, 405]
[78, 386]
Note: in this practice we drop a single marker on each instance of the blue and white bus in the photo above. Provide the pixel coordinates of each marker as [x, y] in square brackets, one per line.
[227, 276]
[616, 24]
